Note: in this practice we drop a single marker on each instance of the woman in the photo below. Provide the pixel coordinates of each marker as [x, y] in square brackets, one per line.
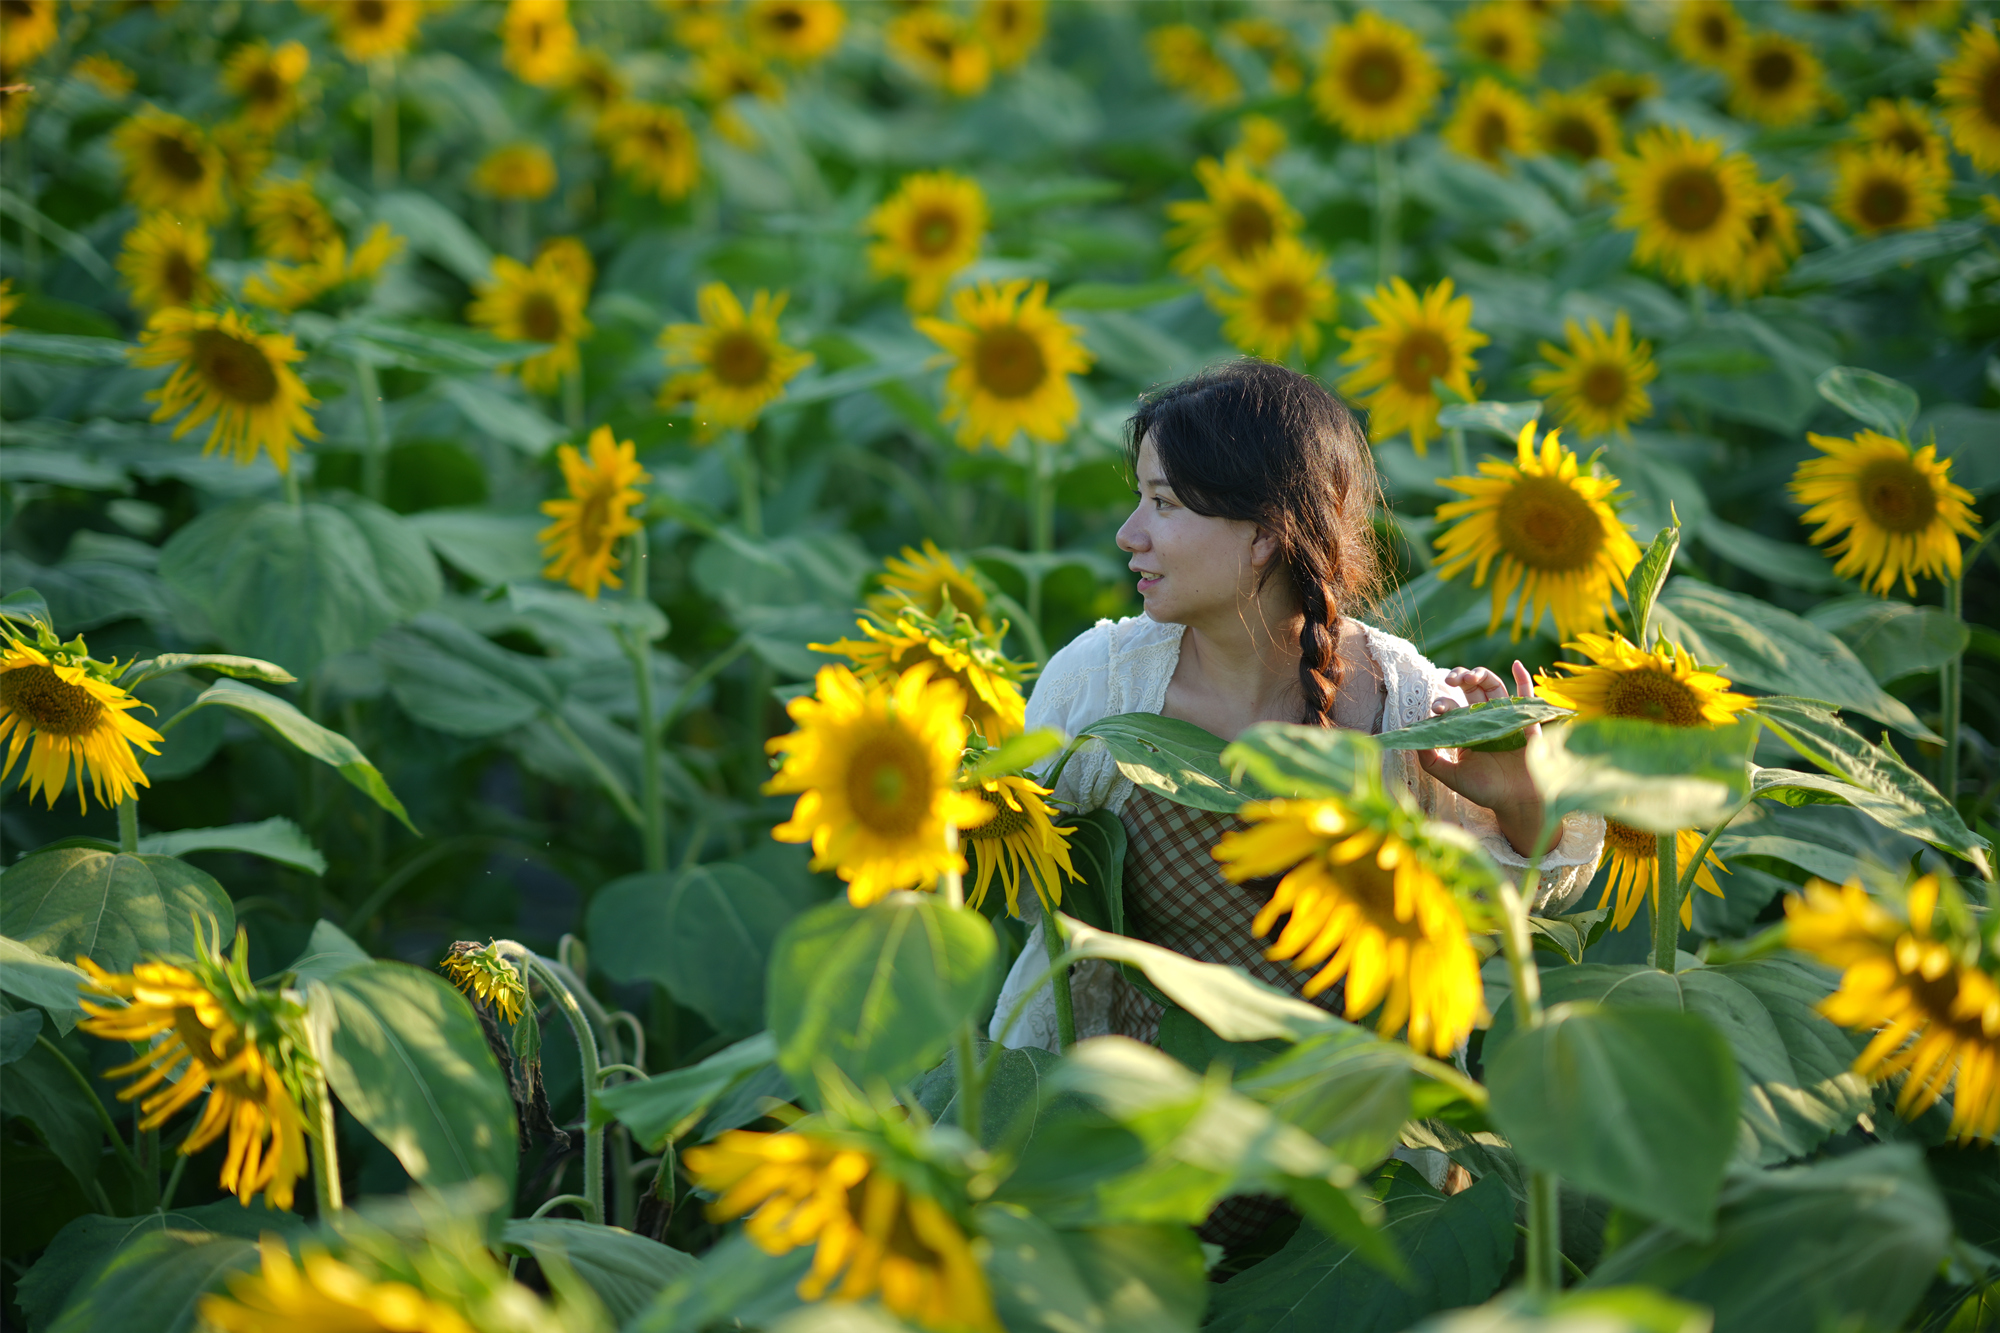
[1254, 545]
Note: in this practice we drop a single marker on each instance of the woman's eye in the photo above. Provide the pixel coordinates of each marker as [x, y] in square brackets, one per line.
[1159, 505]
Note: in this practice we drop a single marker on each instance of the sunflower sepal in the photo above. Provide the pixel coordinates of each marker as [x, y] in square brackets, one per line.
[1643, 584]
[222, 664]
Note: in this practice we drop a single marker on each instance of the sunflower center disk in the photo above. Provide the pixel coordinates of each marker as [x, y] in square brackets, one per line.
[1247, 228]
[1691, 200]
[18, 11]
[1604, 385]
[1628, 843]
[887, 784]
[235, 368]
[176, 159]
[741, 359]
[370, 13]
[1885, 203]
[1576, 137]
[1492, 135]
[1652, 696]
[1714, 35]
[50, 702]
[1774, 71]
[179, 278]
[1284, 303]
[1547, 526]
[265, 88]
[788, 19]
[1906, 141]
[593, 523]
[1897, 496]
[934, 233]
[1989, 94]
[1009, 363]
[1375, 77]
[540, 319]
[1374, 890]
[1421, 357]
[1006, 821]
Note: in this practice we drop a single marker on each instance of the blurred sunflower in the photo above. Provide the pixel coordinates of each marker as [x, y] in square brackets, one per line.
[228, 372]
[698, 24]
[1184, 60]
[170, 165]
[1969, 86]
[1368, 905]
[1553, 529]
[1020, 842]
[926, 579]
[1775, 80]
[1935, 1011]
[267, 79]
[929, 229]
[1503, 33]
[59, 698]
[1774, 241]
[246, 154]
[113, 78]
[1277, 301]
[1689, 201]
[1375, 82]
[1259, 139]
[27, 28]
[1238, 220]
[1884, 189]
[1577, 125]
[569, 257]
[955, 650]
[800, 31]
[581, 545]
[516, 171]
[1906, 16]
[1623, 90]
[1413, 341]
[332, 272]
[595, 80]
[290, 221]
[654, 146]
[942, 49]
[742, 365]
[1273, 41]
[538, 304]
[15, 95]
[1013, 357]
[725, 71]
[539, 41]
[873, 1234]
[1599, 383]
[1903, 124]
[1012, 29]
[165, 263]
[1894, 509]
[372, 29]
[9, 298]
[1708, 32]
[319, 1292]
[1490, 124]
[873, 767]
[482, 972]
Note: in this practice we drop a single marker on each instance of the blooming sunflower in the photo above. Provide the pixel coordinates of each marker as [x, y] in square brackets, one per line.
[516, 171]
[1884, 189]
[483, 973]
[1775, 80]
[596, 81]
[373, 29]
[1012, 29]
[1020, 842]
[873, 1234]
[1502, 33]
[9, 298]
[1184, 60]
[1580, 125]
[1259, 139]
[1623, 90]
[1014, 357]
[1689, 200]
[727, 70]
[1906, 16]
[113, 78]
[165, 263]
[926, 231]
[1969, 86]
[1935, 1010]
[58, 697]
[1633, 856]
[332, 272]
[581, 545]
[319, 1291]
[1375, 82]
[873, 766]
[1554, 530]
[216, 1033]
[570, 257]
[15, 94]
[27, 28]
[926, 580]
[1598, 384]
[1241, 215]
[1708, 32]
[1491, 123]
[742, 366]
[1903, 124]
[267, 78]
[1413, 341]
[225, 370]
[955, 650]
[1895, 509]
[800, 31]
[1277, 301]
[171, 166]
[290, 221]
[1774, 241]
[1368, 905]
[942, 49]
[654, 146]
[540, 304]
[540, 41]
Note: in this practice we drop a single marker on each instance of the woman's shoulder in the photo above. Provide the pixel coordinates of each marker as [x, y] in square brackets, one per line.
[1391, 649]
[1083, 667]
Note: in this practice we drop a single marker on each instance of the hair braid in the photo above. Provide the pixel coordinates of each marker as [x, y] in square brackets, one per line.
[1319, 656]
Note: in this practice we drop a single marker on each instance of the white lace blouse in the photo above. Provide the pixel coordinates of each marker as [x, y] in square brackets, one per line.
[1124, 666]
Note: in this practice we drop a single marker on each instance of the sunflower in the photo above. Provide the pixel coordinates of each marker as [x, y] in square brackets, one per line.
[27, 28]
[1491, 123]
[373, 29]
[1884, 189]
[540, 41]
[1413, 341]
[9, 298]
[873, 1234]
[1935, 1010]
[943, 50]
[246, 154]
[482, 972]
[1897, 507]
[698, 24]
[1775, 80]
[1369, 906]
[1552, 527]
[60, 698]
[318, 1291]
[1633, 856]
[332, 272]
[15, 95]
[1238, 220]
[1259, 139]
[516, 171]
[1708, 32]
[1020, 842]
[873, 766]
[596, 81]
[569, 257]
[955, 650]
[1969, 86]
[1622, 90]
[171, 166]
[581, 545]
[654, 146]
[267, 79]
[1579, 125]
[113, 78]
[165, 263]
[926, 580]
[1012, 29]
[1906, 16]
[1277, 301]
[1013, 359]
[216, 1033]
[800, 31]
[727, 71]
[226, 370]
[1375, 81]
[290, 221]
[1903, 124]
[1774, 241]
[741, 364]
[926, 231]
[1598, 384]
[1184, 60]
[539, 304]
[1502, 33]
[1689, 200]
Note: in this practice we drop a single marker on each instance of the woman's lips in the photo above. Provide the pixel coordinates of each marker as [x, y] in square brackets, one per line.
[1147, 582]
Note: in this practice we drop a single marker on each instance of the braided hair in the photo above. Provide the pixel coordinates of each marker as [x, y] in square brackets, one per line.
[1257, 442]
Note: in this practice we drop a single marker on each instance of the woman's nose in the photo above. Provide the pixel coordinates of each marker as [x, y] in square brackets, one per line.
[1132, 534]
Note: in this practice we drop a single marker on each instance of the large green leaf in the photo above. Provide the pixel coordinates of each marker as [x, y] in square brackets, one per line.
[1169, 758]
[39, 979]
[462, 683]
[1097, 850]
[736, 1285]
[114, 909]
[405, 1055]
[492, 549]
[652, 1108]
[1132, 1279]
[1814, 858]
[1480, 727]
[1873, 399]
[1009, 1105]
[626, 1271]
[1609, 1310]
[1645, 774]
[705, 933]
[155, 1283]
[275, 839]
[38, 1088]
[328, 951]
[222, 664]
[1295, 760]
[1346, 1087]
[1893, 639]
[1234, 1005]
[879, 991]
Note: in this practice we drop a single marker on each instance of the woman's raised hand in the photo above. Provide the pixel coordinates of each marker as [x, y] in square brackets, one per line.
[1498, 780]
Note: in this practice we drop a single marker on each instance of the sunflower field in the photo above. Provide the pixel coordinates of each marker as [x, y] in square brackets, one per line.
[530, 529]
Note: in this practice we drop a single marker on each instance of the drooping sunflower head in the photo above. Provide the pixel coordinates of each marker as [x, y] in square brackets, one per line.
[1413, 341]
[481, 971]
[1504, 34]
[1013, 357]
[1239, 217]
[737, 364]
[267, 78]
[1708, 32]
[1277, 301]
[1622, 90]
[1892, 512]
[165, 263]
[62, 708]
[1012, 29]
[113, 78]
[1491, 124]
[929, 580]
[1689, 200]
[1185, 61]
[929, 229]
[1775, 80]
[954, 649]
[1376, 81]
[1969, 86]
[942, 49]
[800, 31]
[540, 40]
[654, 146]
[228, 373]
[1903, 124]
[373, 29]
[1633, 877]
[581, 544]
[1662, 685]
[290, 221]
[1598, 383]
[1774, 240]
[539, 304]
[516, 171]
[1544, 526]
[875, 767]
[1020, 842]
[1882, 189]
[171, 166]
[1578, 125]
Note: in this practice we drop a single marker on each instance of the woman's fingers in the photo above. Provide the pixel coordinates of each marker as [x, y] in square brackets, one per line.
[1524, 684]
[1477, 683]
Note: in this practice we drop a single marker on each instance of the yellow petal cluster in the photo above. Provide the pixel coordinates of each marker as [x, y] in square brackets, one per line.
[1890, 511]
[739, 365]
[228, 373]
[994, 707]
[1598, 383]
[541, 303]
[925, 232]
[1413, 341]
[1012, 359]
[1376, 81]
[581, 545]
[1020, 842]
[71, 716]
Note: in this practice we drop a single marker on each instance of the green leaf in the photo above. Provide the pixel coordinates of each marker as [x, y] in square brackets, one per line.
[879, 991]
[1346, 1087]
[652, 1108]
[436, 233]
[1296, 760]
[304, 735]
[493, 412]
[405, 1055]
[1646, 774]
[1434, 611]
[1234, 1005]
[114, 909]
[328, 953]
[1097, 850]
[704, 933]
[1643, 584]
[24, 606]
[1874, 400]
[1482, 726]
[275, 839]
[491, 549]
[1502, 419]
[222, 664]
[1016, 753]
[156, 1282]
[1893, 639]
[737, 1284]
[1169, 758]
[63, 349]
[426, 346]
[39, 1089]
[1612, 1310]
[626, 1271]
[1117, 295]
[18, 1030]
[461, 683]
[1814, 858]
[1133, 1279]
[1589, 1094]
[1010, 1103]
[1840, 265]
[30, 975]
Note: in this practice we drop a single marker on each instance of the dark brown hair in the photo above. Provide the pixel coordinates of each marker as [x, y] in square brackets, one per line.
[1257, 442]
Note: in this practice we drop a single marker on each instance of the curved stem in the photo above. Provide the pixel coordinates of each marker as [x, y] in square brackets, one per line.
[173, 1183]
[582, 1204]
[1708, 842]
[633, 1070]
[128, 825]
[1667, 904]
[606, 779]
[587, 1057]
[1544, 1217]
[1059, 978]
[1063, 959]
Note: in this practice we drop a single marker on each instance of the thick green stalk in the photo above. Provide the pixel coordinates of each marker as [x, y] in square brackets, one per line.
[326, 1157]
[293, 494]
[613, 788]
[1461, 459]
[514, 231]
[1667, 911]
[1544, 1234]
[375, 465]
[1544, 1211]
[573, 402]
[128, 825]
[1059, 968]
[1388, 203]
[1041, 519]
[749, 486]
[1951, 689]
[382, 107]
[652, 795]
[173, 1182]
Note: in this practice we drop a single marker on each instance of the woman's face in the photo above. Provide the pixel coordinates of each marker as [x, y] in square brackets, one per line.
[1192, 568]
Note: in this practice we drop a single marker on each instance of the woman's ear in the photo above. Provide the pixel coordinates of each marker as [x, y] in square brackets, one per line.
[1263, 548]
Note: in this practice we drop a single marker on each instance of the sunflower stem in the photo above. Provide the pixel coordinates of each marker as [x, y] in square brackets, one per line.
[1461, 461]
[173, 1183]
[326, 1156]
[293, 495]
[1544, 1209]
[375, 465]
[1951, 689]
[118, 1144]
[514, 228]
[613, 788]
[749, 486]
[1708, 842]
[587, 1056]
[382, 110]
[1388, 203]
[573, 401]
[1544, 1234]
[1667, 905]
[1059, 977]
[652, 796]
[128, 825]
